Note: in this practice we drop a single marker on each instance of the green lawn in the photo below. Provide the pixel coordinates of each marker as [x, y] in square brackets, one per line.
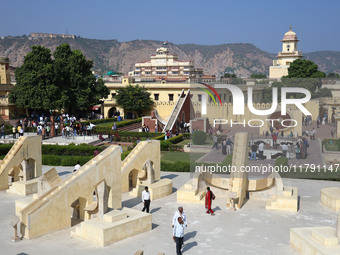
[180, 156]
[186, 141]
[332, 147]
[110, 124]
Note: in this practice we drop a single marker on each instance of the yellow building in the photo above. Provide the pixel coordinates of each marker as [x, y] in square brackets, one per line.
[288, 54]
[6, 108]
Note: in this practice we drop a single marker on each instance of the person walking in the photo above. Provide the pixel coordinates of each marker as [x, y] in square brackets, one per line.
[229, 143]
[96, 152]
[209, 197]
[178, 234]
[297, 150]
[215, 142]
[179, 213]
[146, 199]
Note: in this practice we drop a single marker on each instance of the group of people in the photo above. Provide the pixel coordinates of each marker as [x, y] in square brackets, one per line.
[226, 144]
[311, 133]
[179, 220]
[301, 147]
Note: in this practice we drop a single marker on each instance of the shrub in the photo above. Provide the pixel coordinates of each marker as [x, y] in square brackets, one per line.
[71, 149]
[4, 148]
[179, 166]
[51, 160]
[199, 137]
[281, 161]
[72, 160]
[165, 145]
[161, 137]
[125, 154]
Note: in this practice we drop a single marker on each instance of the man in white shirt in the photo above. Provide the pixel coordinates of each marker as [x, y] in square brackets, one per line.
[284, 150]
[146, 199]
[261, 147]
[77, 166]
[179, 213]
[178, 234]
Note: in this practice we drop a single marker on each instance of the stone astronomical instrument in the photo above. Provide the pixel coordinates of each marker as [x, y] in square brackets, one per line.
[280, 119]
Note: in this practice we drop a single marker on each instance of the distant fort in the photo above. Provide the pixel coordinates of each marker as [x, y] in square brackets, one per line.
[47, 35]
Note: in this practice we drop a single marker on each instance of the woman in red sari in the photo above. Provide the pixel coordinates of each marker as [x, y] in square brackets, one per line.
[209, 197]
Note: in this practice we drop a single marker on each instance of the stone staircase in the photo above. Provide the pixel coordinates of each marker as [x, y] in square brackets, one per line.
[175, 112]
[286, 200]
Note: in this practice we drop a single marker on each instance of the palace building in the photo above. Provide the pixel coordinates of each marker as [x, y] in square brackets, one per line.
[6, 108]
[288, 54]
[165, 66]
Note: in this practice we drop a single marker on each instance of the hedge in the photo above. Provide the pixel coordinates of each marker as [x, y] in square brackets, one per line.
[180, 166]
[71, 149]
[56, 160]
[281, 161]
[137, 134]
[125, 154]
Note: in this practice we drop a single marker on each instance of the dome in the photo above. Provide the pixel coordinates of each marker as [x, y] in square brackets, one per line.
[290, 35]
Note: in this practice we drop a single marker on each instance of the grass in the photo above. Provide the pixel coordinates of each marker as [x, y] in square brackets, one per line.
[186, 141]
[176, 156]
[110, 124]
[331, 147]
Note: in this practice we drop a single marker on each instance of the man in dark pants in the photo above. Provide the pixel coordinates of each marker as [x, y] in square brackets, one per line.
[178, 234]
[146, 199]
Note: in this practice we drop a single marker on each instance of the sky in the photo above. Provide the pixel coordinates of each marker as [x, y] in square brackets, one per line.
[260, 22]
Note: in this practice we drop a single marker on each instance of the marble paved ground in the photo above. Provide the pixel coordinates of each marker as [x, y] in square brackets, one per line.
[251, 230]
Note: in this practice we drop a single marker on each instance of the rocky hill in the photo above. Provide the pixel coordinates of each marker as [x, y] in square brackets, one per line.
[241, 58]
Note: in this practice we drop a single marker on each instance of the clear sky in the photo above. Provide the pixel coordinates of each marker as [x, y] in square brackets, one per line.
[260, 22]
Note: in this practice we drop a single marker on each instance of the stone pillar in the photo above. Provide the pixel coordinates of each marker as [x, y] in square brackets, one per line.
[103, 198]
[239, 179]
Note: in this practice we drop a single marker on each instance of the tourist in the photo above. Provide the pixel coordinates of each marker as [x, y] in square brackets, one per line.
[209, 197]
[179, 213]
[101, 138]
[14, 132]
[77, 166]
[318, 122]
[21, 131]
[215, 142]
[253, 152]
[313, 132]
[147, 129]
[178, 234]
[306, 145]
[121, 148]
[47, 130]
[224, 146]
[274, 136]
[291, 135]
[156, 129]
[96, 152]
[261, 147]
[2, 130]
[229, 143]
[146, 200]
[297, 150]
[284, 150]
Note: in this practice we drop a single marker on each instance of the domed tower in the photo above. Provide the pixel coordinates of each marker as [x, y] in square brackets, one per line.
[288, 54]
[5, 77]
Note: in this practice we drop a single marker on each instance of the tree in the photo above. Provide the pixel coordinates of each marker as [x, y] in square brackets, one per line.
[258, 76]
[325, 92]
[332, 75]
[65, 82]
[134, 99]
[229, 75]
[303, 68]
[79, 87]
[36, 88]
